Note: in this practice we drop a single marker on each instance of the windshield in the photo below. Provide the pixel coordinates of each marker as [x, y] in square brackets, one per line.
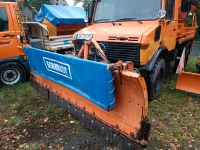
[119, 10]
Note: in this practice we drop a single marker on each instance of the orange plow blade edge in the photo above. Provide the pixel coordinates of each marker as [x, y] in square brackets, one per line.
[126, 124]
[189, 82]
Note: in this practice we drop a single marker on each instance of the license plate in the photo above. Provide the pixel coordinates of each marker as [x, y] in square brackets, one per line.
[84, 37]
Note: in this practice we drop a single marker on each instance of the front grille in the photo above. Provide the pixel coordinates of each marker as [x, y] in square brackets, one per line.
[116, 51]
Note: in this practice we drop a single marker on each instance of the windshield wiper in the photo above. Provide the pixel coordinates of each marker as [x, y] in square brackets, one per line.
[101, 20]
[128, 19]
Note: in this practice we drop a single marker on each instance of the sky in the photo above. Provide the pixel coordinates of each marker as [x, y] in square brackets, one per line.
[71, 3]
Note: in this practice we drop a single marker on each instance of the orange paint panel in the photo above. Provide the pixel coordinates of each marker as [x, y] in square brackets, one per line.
[10, 46]
[102, 31]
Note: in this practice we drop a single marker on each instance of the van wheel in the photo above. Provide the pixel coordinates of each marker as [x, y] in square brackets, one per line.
[12, 73]
[155, 79]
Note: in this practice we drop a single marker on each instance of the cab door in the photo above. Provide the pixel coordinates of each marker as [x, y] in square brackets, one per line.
[170, 27]
[8, 38]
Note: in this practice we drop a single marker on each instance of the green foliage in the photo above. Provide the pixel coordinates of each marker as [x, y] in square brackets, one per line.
[85, 2]
[197, 3]
[198, 18]
[16, 120]
[55, 111]
[36, 3]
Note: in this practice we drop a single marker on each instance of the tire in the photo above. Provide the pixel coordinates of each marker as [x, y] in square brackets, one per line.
[12, 73]
[155, 79]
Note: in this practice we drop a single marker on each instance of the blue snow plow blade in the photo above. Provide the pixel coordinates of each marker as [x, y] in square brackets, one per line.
[90, 79]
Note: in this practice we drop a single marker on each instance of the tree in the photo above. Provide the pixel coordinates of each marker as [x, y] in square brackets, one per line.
[36, 3]
[198, 17]
[85, 2]
[197, 3]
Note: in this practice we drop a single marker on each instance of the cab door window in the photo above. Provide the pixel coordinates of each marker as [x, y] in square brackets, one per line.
[3, 20]
[185, 6]
[170, 9]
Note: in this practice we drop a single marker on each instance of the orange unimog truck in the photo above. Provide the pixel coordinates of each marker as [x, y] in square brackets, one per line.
[13, 64]
[102, 80]
[151, 34]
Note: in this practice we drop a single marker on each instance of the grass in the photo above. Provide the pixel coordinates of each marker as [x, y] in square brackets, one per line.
[26, 116]
[192, 65]
[27, 121]
[175, 116]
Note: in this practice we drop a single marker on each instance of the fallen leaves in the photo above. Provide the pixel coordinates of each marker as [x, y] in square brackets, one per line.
[5, 121]
[46, 120]
[72, 122]
[175, 123]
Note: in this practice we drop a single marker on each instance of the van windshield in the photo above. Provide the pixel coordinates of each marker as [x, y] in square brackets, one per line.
[123, 10]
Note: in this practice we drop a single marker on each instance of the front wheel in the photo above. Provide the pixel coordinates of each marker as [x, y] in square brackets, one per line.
[12, 73]
[155, 79]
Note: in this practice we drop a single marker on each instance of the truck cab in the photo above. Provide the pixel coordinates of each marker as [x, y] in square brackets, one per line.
[13, 64]
[150, 34]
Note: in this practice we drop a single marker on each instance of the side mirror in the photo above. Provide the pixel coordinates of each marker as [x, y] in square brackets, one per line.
[162, 14]
[20, 38]
[86, 19]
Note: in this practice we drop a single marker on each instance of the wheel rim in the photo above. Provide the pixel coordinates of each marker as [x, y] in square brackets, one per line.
[158, 82]
[10, 76]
